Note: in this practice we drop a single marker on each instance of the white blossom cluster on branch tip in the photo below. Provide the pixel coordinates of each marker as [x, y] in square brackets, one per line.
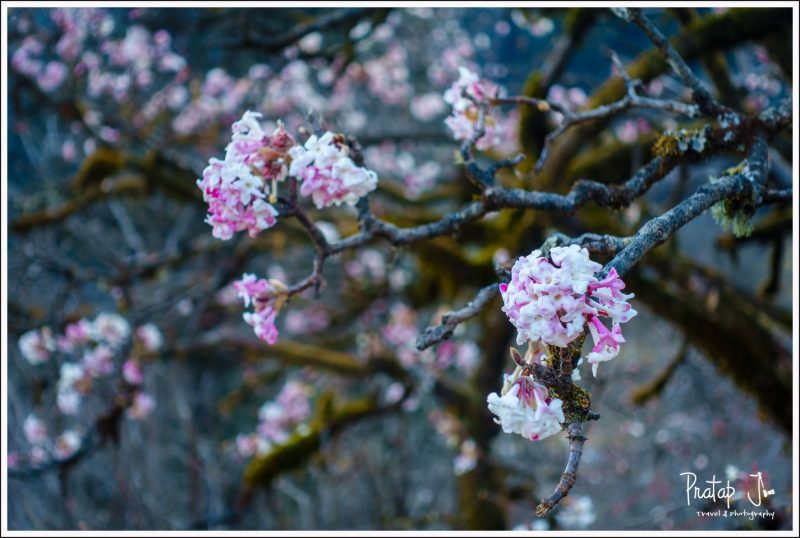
[526, 409]
[551, 301]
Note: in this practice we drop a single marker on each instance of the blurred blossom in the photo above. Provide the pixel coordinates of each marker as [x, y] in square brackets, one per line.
[463, 121]
[98, 361]
[37, 345]
[52, 76]
[150, 336]
[368, 263]
[393, 393]
[185, 306]
[311, 43]
[68, 150]
[310, 320]
[576, 512]
[38, 455]
[132, 372]
[111, 328]
[467, 458]
[427, 106]
[143, 405]
[278, 419]
[66, 444]
[35, 430]
[535, 525]
[542, 26]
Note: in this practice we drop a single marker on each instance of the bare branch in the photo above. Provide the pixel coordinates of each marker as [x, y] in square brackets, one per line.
[700, 94]
[660, 228]
[434, 335]
[576, 441]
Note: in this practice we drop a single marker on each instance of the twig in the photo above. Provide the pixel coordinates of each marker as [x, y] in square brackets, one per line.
[572, 118]
[700, 94]
[576, 441]
[443, 331]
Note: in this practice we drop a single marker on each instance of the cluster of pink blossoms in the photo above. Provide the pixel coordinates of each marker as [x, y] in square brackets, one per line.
[516, 412]
[241, 189]
[278, 419]
[236, 189]
[552, 302]
[95, 344]
[328, 173]
[464, 119]
[267, 298]
[43, 448]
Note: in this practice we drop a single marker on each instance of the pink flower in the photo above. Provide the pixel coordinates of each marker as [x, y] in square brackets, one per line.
[246, 445]
[280, 417]
[552, 301]
[328, 174]
[235, 189]
[98, 361]
[606, 343]
[547, 302]
[75, 335]
[52, 76]
[132, 372]
[143, 404]
[26, 58]
[464, 119]
[612, 303]
[263, 323]
[267, 297]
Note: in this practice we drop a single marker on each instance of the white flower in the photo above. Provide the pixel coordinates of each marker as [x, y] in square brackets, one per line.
[67, 444]
[35, 430]
[37, 345]
[516, 414]
[111, 328]
[150, 336]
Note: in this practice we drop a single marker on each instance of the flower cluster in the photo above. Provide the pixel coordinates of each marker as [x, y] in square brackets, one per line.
[463, 95]
[278, 419]
[237, 188]
[552, 301]
[42, 448]
[328, 173]
[86, 353]
[27, 60]
[526, 409]
[267, 298]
